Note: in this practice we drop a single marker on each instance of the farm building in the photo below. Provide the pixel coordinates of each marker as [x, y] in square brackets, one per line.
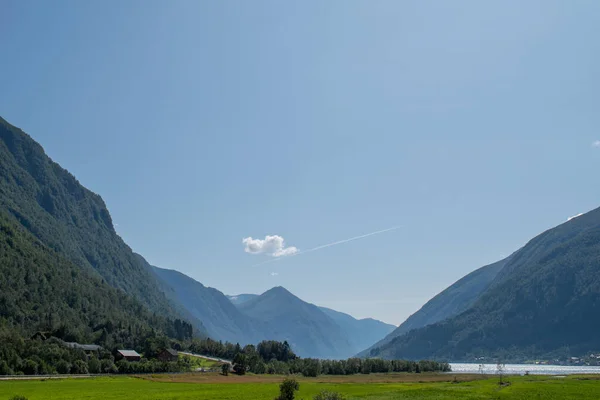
[168, 355]
[129, 355]
[89, 349]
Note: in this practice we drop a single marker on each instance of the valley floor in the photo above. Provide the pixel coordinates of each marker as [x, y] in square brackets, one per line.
[372, 387]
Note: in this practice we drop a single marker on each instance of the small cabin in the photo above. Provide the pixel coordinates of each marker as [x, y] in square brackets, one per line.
[167, 355]
[129, 355]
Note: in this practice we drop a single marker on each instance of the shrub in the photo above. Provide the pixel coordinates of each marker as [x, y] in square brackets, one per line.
[287, 389]
[63, 367]
[326, 395]
[94, 365]
[80, 367]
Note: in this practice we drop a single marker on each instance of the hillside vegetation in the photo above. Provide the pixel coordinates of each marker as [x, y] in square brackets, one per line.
[67, 218]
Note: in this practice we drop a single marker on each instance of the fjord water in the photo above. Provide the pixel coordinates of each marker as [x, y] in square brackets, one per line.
[521, 369]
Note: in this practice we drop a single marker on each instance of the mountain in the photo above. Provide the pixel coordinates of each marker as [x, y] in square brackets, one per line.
[220, 317]
[308, 330]
[543, 302]
[452, 301]
[361, 333]
[241, 298]
[68, 219]
[42, 291]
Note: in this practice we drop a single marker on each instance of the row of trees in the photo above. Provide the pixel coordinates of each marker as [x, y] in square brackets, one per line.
[316, 367]
[270, 357]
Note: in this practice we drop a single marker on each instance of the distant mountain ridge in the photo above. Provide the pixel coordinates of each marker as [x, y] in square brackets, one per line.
[241, 298]
[541, 303]
[306, 323]
[221, 318]
[361, 333]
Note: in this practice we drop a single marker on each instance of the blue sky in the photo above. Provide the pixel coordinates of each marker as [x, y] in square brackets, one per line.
[468, 124]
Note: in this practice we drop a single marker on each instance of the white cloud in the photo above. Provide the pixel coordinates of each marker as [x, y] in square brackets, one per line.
[274, 273]
[596, 143]
[574, 216]
[272, 245]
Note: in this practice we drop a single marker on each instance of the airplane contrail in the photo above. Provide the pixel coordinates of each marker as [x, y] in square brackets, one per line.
[329, 245]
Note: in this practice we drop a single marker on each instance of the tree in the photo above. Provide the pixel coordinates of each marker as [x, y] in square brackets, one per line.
[500, 372]
[5, 369]
[240, 364]
[225, 369]
[287, 389]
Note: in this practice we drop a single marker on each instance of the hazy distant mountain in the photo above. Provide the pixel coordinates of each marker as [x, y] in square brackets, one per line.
[545, 300]
[241, 298]
[220, 317]
[452, 301]
[360, 332]
[308, 330]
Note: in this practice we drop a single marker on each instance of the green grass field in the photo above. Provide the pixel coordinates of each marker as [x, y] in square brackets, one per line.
[198, 362]
[110, 388]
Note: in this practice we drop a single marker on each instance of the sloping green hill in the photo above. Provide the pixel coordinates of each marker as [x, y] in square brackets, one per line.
[545, 301]
[450, 302]
[66, 217]
[308, 330]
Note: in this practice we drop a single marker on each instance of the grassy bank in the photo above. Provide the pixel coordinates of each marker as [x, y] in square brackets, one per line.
[372, 387]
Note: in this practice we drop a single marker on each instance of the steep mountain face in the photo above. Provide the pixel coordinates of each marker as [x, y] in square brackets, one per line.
[241, 298]
[308, 330]
[220, 317]
[360, 332]
[53, 206]
[452, 301]
[42, 291]
[544, 301]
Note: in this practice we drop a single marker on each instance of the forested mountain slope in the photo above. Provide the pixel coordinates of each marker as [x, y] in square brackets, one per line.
[43, 291]
[450, 302]
[544, 301]
[66, 217]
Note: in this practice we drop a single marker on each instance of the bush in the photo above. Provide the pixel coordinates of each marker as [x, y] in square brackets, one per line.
[5, 369]
[30, 367]
[326, 395]
[18, 397]
[63, 367]
[80, 367]
[108, 367]
[94, 365]
[287, 389]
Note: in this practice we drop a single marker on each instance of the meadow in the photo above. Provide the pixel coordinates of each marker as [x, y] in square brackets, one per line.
[372, 387]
